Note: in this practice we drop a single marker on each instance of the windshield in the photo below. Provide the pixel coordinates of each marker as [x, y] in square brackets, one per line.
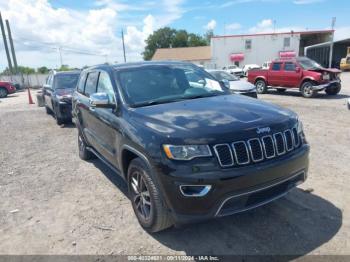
[154, 84]
[221, 75]
[66, 81]
[307, 64]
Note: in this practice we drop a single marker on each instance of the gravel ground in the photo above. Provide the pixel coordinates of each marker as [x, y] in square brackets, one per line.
[51, 202]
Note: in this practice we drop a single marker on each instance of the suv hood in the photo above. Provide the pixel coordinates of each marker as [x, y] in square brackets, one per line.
[213, 119]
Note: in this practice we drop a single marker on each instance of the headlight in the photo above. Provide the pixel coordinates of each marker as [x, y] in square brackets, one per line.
[186, 152]
[300, 129]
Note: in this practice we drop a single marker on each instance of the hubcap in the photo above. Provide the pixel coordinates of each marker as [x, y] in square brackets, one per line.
[308, 90]
[141, 196]
[260, 86]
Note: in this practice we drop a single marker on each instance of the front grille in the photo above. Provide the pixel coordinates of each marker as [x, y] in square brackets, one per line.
[257, 149]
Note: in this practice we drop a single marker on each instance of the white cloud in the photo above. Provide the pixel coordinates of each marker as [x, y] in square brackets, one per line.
[265, 23]
[266, 26]
[211, 25]
[342, 33]
[233, 27]
[306, 2]
[39, 29]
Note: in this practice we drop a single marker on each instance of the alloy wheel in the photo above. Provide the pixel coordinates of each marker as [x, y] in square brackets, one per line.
[140, 195]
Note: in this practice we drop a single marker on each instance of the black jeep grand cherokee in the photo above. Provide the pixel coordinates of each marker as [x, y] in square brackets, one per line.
[188, 150]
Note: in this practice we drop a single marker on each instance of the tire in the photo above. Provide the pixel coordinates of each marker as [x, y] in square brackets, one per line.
[59, 120]
[48, 110]
[3, 92]
[281, 90]
[146, 200]
[261, 87]
[306, 90]
[84, 153]
[331, 91]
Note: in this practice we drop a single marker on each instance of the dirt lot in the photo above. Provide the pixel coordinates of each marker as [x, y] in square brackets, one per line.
[51, 202]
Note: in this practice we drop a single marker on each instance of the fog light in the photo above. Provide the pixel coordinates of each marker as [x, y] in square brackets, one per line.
[195, 190]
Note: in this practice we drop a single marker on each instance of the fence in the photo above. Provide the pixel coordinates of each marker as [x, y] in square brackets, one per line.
[32, 80]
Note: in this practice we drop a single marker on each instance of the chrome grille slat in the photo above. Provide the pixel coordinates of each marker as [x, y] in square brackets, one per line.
[253, 153]
[257, 149]
[219, 153]
[238, 156]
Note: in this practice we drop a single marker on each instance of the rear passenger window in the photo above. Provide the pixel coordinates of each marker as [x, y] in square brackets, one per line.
[91, 83]
[81, 83]
[289, 66]
[276, 66]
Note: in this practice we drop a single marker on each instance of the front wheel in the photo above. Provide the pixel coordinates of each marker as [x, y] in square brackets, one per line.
[84, 153]
[306, 90]
[146, 200]
[333, 90]
[261, 86]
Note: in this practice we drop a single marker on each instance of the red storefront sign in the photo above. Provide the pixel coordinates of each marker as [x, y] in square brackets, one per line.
[287, 54]
[237, 57]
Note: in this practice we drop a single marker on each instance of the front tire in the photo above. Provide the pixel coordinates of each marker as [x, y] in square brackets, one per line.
[261, 86]
[3, 92]
[306, 90]
[146, 200]
[331, 91]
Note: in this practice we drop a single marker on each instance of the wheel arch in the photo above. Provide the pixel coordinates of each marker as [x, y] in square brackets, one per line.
[306, 79]
[129, 153]
[260, 78]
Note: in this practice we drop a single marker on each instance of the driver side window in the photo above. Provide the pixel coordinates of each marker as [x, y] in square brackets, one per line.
[105, 86]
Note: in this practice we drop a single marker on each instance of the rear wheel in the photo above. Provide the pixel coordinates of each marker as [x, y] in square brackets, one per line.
[306, 90]
[261, 86]
[146, 199]
[84, 153]
[333, 90]
[3, 92]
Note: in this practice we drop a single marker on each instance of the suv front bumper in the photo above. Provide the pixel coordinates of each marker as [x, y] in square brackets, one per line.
[334, 83]
[236, 189]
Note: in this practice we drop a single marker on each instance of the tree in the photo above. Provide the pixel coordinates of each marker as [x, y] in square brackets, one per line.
[64, 68]
[208, 35]
[167, 37]
[26, 70]
[43, 70]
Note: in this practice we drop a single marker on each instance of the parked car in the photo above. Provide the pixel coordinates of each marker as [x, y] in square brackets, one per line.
[234, 83]
[187, 153]
[57, 93]
[6, 88]
[249, 67]
[266, 65]
[302, 73]
[234, 70]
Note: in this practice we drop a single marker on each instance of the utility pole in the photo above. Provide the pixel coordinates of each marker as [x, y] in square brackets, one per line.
[123, 46]
[12, 46]
[60, 52]
[5, 44]
[332, 43]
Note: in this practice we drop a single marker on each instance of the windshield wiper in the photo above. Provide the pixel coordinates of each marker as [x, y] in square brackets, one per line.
[203, 95]
[156, 102]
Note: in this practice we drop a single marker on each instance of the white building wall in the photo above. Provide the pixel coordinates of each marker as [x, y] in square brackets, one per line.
[263, 48]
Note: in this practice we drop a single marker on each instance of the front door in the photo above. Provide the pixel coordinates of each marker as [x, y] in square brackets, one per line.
[275, 78]
[291, 76]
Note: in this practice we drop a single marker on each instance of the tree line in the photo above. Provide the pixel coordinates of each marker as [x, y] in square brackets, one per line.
[40, 70]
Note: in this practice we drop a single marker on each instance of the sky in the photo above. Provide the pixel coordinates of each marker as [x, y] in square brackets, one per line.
[88, 32]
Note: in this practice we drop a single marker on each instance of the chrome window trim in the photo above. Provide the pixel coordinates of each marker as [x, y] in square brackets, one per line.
[251, 151]
[285, 137]
[273, 146]
[284, 146]
[246, 149]
[218, 156]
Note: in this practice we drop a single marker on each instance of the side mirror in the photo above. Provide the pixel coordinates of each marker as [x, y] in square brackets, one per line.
[100, 100]
[297, 69]
[202, 82]
[225, 83]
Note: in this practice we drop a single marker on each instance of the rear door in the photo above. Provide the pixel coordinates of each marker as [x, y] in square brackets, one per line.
[290, 75]
[275, 77]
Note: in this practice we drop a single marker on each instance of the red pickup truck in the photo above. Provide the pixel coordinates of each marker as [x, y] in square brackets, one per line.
[301, 72]
[6, 88]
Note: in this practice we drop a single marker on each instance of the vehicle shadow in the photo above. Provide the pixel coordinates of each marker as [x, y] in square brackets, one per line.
[296, 93]
[294, 226]
[111, 175]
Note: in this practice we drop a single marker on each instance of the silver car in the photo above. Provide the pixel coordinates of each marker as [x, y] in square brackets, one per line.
[234, 83]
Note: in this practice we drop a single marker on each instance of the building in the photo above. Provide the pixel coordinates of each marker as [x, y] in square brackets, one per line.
[320, 52]
[259, 48]
[199, 55]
